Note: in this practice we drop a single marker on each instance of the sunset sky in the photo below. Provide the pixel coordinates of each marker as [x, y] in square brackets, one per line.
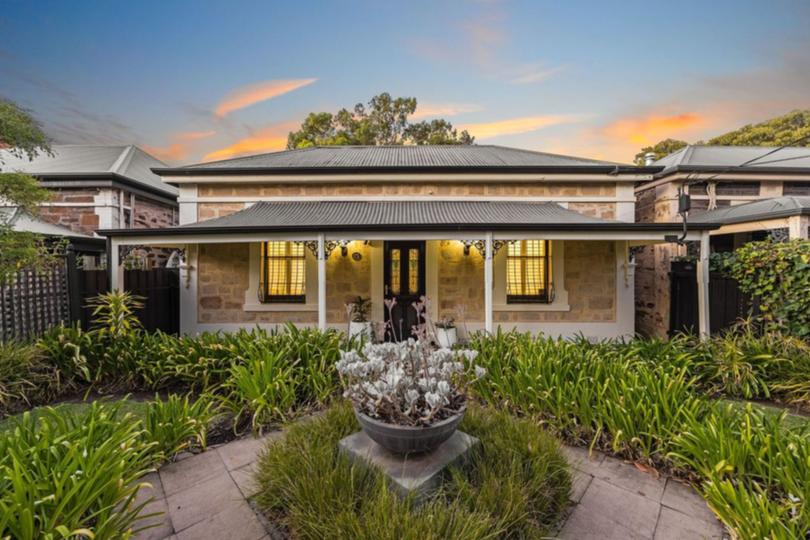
[192, 81]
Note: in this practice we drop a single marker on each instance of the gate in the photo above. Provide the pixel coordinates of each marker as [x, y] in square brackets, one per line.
[160, 287]
[727, 303]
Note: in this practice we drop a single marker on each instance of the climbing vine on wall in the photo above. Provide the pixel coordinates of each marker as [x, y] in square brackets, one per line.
[778, 274]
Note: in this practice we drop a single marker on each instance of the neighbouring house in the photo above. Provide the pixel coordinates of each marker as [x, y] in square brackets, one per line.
[768, 197]
[100, 187]
[496, 237]
[40, 298]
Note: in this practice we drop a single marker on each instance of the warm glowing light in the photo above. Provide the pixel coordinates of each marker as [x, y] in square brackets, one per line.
[257, 92]
[653, 128]
[515, 126]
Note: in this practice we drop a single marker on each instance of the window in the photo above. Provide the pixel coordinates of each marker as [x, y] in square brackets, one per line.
[282, 272]
[528, 272]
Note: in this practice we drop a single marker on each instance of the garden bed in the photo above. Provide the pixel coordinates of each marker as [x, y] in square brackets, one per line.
[516, 485]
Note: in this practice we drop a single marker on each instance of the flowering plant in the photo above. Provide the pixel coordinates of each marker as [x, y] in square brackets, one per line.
[410, 382]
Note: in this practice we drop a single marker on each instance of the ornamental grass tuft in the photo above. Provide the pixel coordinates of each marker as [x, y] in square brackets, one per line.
[515, 486]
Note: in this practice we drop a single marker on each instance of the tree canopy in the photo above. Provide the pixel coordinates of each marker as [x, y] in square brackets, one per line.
[383, 121]
[779, 131]
[21, 135]
[660, 149]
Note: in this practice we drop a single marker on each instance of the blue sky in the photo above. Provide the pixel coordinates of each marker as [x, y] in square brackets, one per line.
[596, 79]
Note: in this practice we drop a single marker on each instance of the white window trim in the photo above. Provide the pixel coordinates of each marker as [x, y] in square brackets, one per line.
[310, 285]
[560, 302]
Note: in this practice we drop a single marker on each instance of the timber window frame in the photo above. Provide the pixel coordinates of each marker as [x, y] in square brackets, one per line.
[529, 269]
[282, 273]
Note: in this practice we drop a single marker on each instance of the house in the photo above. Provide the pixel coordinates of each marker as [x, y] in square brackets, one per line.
[768, 196]
[493, 236]
[99, 187]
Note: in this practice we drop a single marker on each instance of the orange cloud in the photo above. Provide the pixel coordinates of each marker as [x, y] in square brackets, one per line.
[432, 110]
[268, 139]
[178, 149]
[652, 128]
[257, 92]
[515, 126]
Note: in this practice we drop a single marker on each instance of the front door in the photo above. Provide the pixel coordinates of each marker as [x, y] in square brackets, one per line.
[404, 281]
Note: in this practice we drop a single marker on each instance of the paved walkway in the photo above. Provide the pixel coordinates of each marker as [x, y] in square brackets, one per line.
[204, 497]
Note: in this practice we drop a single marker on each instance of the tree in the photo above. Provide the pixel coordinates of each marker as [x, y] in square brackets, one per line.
[661, 149]
[779, 131]
[21, 136]
[383, 121]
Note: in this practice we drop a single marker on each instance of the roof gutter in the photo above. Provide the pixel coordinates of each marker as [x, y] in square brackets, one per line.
[55, 177]
[421, 227]
[558, 169]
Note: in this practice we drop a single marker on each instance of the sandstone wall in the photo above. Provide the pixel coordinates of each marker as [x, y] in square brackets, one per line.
[81, 219]
[590, 279]
[461, 282]
[536, 189]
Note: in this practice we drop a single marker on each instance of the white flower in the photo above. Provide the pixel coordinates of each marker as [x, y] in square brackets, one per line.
[443, 388]
[469, 354]
[434, 400]
[411, 396]
[480, 372]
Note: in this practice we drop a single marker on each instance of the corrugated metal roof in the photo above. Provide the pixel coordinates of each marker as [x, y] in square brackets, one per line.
[422, 156]
[718, 157]
[755, 211]
[75, 160]
[314, 214]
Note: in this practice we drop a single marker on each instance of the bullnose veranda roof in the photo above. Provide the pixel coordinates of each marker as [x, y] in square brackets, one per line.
[400, 216]
[414, 158]
[76, 161]
[779, 207]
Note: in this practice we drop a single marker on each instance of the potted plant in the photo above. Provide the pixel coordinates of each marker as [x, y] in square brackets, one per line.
[446, 334]
[408, 396]
[358, 311]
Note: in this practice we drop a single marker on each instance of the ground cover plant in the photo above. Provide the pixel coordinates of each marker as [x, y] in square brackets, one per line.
[70, 474]
[515, 487]
[645, 401]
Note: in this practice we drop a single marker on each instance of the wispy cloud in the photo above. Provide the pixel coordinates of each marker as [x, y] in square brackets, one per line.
[268, 139]
[482, 42]
[251, 94]
[180, 147]
[533, 73]
[516, 126]
[432, 110]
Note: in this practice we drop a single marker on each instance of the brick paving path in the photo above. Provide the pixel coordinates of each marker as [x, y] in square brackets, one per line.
[204, 497]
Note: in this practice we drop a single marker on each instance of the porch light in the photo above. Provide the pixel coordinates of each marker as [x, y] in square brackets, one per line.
[467, 245]
[344, 247]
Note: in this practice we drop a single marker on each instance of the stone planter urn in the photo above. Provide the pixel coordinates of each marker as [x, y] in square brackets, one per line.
[409, 439]
[446, 337]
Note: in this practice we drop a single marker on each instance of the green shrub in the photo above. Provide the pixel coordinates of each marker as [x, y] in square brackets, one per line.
[642, 400]
[24, 375]
[64, 474]
[177, 423]
[778, 275]
[516, 487]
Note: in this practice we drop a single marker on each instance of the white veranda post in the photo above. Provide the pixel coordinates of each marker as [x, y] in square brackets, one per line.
[321, 282]
[703, 286]
[488, 283]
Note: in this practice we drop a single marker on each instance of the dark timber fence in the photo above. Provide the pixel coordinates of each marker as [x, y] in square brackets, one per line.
[36, 300]
[161, 289]
[727, 304]
[33, 301]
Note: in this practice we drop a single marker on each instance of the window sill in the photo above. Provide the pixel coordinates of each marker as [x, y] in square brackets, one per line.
[255, 306]
[557, 306]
